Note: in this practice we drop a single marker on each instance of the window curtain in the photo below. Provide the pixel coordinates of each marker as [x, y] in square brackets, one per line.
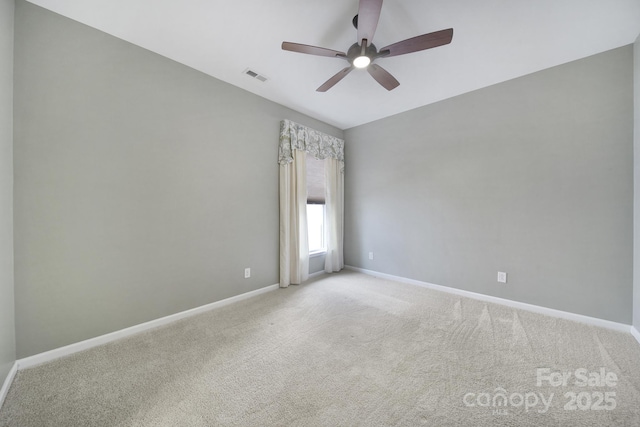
[294, 244]
[295, 141]
[334, 214]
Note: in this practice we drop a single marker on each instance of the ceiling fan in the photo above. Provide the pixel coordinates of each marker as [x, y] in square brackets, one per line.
[363, 52]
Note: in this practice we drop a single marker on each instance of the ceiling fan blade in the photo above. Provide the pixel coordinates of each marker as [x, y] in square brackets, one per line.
[383, 77]
[335, 79]
[368, 16]
[415, 44]
[312, 50]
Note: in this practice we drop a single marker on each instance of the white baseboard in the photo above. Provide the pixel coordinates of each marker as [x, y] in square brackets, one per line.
[510, 303]
[7, 382]
[67, 350]
[635, 334]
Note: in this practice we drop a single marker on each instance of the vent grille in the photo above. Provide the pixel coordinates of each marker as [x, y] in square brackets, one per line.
[255, 75]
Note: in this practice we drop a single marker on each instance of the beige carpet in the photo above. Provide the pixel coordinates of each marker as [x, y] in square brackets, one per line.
[343, 350]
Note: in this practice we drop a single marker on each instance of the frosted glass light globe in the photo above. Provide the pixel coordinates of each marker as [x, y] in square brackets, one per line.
[361, 62]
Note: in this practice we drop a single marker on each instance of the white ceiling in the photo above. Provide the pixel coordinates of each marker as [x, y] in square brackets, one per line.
[493, 41]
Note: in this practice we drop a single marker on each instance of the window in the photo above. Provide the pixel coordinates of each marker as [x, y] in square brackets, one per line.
[315, 224]
[315, 204]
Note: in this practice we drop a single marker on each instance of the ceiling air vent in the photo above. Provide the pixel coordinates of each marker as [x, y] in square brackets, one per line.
[255, 75]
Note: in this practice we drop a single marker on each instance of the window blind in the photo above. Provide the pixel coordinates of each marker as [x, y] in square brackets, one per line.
[315, 181]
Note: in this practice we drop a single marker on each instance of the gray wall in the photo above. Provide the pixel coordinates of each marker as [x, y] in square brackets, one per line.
[316, 264]
[7, 328]
[142, 187]
[533, 177]
[636, 162]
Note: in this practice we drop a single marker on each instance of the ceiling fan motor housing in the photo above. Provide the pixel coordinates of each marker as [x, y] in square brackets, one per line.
[355, 50]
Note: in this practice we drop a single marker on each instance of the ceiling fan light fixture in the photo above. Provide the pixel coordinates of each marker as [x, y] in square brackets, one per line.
[361, 62]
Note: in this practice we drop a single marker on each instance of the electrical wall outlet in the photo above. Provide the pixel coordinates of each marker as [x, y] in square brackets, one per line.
[247, 273]
[370, 255]
[502, 277]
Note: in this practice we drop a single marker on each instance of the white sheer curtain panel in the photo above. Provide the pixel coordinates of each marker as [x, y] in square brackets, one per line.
[334, 208]
[294, 245]
[295, 141]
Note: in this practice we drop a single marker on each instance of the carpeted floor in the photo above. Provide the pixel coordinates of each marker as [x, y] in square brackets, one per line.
[343, 350]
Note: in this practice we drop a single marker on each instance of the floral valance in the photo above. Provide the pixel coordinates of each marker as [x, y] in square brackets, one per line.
[294, 136]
